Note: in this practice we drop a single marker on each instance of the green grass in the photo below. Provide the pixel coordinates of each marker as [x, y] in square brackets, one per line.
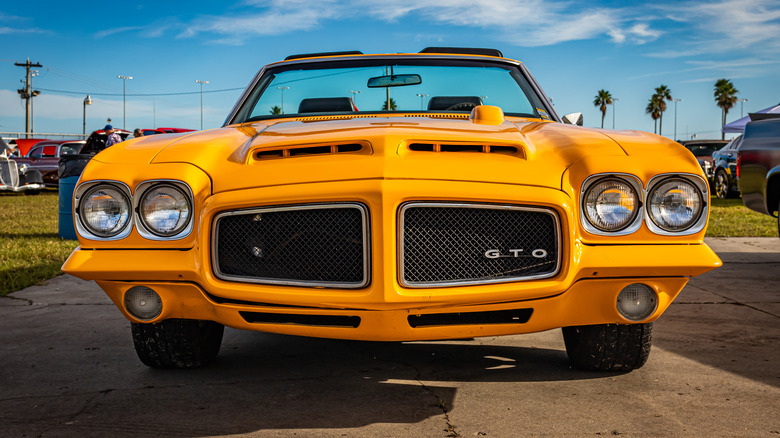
[31, 250]
[730, 218]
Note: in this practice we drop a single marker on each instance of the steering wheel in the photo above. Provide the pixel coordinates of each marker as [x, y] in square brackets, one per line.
[462, 106]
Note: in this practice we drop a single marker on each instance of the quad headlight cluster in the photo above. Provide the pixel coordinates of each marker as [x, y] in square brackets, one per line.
[161, 210]
[616, 204]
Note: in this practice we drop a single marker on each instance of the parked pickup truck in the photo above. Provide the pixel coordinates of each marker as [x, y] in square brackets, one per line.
[758, 165]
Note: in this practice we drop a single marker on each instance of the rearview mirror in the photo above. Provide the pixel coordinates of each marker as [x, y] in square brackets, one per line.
[394, 81]
[573, 119]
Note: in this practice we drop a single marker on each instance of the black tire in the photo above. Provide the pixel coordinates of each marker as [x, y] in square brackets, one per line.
[722, 185]
[177, 343]
[608, 347]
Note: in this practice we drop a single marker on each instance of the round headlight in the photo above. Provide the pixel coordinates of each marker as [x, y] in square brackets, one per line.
[675, 205]
[165, 210]
[105, 211]
[611, 204]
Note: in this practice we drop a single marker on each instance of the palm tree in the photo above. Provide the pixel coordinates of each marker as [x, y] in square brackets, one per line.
[276, 110]
[393, 105]
[602, 99]
[725, 97]
[654, 109]
[663, 93]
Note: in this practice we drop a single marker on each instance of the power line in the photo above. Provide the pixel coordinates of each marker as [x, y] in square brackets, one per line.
[140, 94]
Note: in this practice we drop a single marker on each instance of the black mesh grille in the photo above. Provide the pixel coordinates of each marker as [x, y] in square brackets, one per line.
[320, 245]
[448, 244]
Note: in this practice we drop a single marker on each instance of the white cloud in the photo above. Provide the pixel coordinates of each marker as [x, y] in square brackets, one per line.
[108, 32]
[524, 23]
[8, 30]
[727, 27]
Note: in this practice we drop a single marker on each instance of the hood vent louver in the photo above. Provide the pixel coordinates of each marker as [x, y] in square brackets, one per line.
[307, 151]
[474, 148]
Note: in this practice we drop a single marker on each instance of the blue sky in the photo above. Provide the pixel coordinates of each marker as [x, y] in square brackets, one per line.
[572, 48]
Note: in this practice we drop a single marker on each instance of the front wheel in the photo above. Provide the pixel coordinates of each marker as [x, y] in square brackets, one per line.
[177, 343]
[608, 347]
[722, 185]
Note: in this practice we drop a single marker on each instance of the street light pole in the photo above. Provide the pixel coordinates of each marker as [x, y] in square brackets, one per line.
[742, 107]
[87, 101]
[124, 114]
[422, 96]
[675, 117]
[282, 89]
[614, 99]
[201, 101]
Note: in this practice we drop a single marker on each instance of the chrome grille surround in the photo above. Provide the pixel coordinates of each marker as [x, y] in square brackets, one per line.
[313, 251]
[9, 173]
[458, 256]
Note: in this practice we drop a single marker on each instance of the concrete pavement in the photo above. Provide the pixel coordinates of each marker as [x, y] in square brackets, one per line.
[68, 368]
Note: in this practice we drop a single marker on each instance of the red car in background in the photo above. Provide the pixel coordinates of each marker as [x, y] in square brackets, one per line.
[174, 130]
[165, 131]
[44, 156]
[25, 144]
[151, 132]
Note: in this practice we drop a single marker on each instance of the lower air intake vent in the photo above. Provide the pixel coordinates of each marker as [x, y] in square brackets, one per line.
[295, 319]
[514, 316]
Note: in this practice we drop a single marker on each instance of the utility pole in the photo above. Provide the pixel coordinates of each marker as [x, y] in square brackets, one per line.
[27, 93]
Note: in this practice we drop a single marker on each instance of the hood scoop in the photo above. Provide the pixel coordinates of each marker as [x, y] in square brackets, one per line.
[502, 149]
[264, 154]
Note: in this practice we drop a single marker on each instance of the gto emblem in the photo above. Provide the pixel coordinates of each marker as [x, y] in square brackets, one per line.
[514, 253]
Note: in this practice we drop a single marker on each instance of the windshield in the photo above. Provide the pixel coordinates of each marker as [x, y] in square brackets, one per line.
[376, 86]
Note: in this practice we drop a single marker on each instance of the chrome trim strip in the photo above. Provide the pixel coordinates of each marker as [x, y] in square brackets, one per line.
[419, 285]
[140, 226]
[699, 183]
[82, 188]
[635, 182]
[258, 280]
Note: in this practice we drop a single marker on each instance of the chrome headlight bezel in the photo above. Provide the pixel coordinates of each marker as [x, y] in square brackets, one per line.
[702, 190]
[145, 229]
[85, 190]
[630, 181]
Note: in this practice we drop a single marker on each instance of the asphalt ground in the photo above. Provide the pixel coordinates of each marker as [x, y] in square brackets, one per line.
[68, 369]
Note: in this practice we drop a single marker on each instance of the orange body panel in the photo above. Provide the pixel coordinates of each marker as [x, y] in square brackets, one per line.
[381, 161]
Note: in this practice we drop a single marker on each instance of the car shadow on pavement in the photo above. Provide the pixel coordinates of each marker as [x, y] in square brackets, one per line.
[729, 318]
[271, 382]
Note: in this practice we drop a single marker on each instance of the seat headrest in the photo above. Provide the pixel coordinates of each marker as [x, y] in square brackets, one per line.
[438, 103]
[326, 105]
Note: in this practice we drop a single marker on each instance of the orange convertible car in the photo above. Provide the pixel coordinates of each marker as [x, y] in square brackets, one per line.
[432, 195]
